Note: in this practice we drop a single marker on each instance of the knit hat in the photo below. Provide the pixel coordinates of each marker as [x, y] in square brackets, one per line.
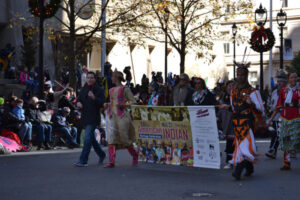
[281, 75]
[66, 110]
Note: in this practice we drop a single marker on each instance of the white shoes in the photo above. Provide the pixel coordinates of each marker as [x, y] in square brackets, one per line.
[228, 166]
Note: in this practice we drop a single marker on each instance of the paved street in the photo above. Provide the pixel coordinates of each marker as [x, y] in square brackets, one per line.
[51, 176]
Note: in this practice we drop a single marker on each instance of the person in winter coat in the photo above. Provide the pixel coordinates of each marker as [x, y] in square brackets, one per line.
[44, 130]
[60, 123]
[25, 132]
[91, 99]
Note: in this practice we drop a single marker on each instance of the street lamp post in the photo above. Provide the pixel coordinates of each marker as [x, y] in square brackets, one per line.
[260, 20]
[41, 47]
[103, 37]
[234, 31]
[166, 19]
[281, 20]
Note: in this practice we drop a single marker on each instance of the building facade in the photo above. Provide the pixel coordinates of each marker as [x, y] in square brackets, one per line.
[291, 41]
[150, 57]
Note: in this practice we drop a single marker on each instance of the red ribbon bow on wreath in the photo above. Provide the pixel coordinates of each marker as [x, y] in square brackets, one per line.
[258, 34]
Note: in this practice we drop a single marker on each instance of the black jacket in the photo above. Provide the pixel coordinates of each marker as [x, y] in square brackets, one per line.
[46, 103]
[90, 113]
[209, 100]
[189, 100]
[33, 115]
[8, 116]
[65, 102]
[9, 120]
[59, 120]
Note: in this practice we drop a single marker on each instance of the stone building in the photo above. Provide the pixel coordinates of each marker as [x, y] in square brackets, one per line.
[291, 41]
[150, 57]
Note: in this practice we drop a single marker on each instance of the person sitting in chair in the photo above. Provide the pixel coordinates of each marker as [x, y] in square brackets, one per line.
[60, 123]
[43, 128]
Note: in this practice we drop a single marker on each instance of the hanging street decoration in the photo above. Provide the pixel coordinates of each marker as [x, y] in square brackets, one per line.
[50, 8]
[262, 40]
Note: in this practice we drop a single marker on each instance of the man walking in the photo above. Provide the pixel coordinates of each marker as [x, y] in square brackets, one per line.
[281, 83]
[91, 99]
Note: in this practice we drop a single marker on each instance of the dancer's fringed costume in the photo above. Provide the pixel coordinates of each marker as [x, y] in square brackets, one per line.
[289, 122]
[244, 115]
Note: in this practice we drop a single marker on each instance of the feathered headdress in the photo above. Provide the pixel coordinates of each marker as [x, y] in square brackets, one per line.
[244, 64]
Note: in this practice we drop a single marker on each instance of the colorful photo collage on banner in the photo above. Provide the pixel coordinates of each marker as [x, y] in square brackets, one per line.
[163, 135]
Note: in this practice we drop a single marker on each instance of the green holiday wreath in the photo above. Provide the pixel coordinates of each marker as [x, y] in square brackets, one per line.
[257, 37]
[50, 8]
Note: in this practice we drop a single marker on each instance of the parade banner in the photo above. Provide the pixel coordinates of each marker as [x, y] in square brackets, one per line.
[179, 135]
[288, 49]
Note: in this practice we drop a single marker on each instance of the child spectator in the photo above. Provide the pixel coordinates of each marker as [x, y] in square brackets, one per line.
[25, 131]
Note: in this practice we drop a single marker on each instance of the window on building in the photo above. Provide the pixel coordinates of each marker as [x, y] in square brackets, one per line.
[253, 78]
[226, 48]
[285, 3]
[288, 49]
[224, 32]
[227, 9]
[253, 75]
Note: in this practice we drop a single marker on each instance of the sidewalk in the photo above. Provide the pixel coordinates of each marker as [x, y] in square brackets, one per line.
[61, 150]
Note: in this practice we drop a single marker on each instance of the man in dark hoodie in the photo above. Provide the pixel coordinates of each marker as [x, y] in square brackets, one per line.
[90, 101]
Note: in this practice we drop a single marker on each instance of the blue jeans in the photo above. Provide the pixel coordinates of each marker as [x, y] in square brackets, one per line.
[25, 132]
[89, 141]
[71, 134]
[44, 132]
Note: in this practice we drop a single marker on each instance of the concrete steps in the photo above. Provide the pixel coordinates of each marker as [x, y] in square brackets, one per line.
[11, 86]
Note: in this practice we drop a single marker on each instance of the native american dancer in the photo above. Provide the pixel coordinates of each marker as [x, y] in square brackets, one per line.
[245, 102]
[121, 130]
[289, 123]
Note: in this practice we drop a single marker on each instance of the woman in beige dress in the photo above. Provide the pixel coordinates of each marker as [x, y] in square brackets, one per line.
[121, 131]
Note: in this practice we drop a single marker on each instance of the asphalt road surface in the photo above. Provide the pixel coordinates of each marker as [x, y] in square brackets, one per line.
[50, 175]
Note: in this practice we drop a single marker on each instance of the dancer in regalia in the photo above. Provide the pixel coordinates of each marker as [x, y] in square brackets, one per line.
[246, 103]
[288, 105]
[121, 130]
